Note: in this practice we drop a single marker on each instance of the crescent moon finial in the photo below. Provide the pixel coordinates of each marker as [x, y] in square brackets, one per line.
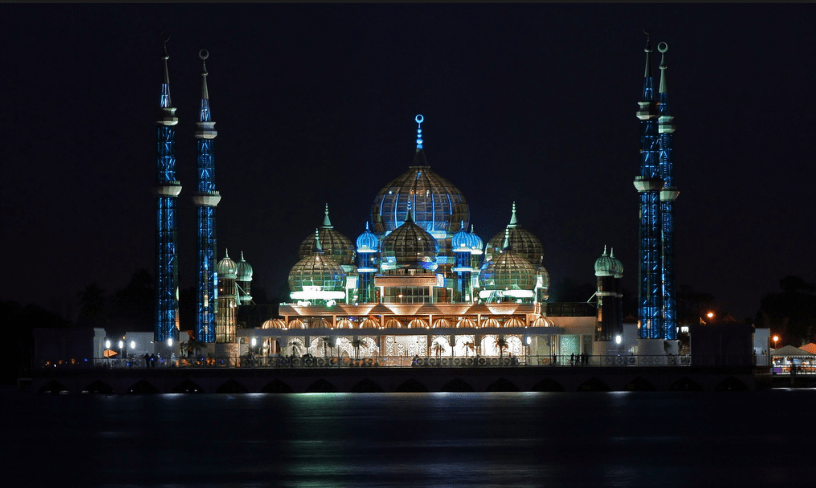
[203, 54]
[662, 47]
[419, 119]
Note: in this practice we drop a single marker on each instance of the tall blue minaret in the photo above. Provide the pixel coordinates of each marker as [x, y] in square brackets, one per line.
[668, 195]
[649, 184]
[167, 190]
[206, 199]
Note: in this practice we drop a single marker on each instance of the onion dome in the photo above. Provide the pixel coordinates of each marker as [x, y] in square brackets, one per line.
[409, 246]
[508, 271]
[523, 242]
[367, 242]
[334, 244]
[617, 270]
[244, 269]
[605, 265]
[476, 244]
[462, 241]
[227, 268]
[317, 276]
[438, 206]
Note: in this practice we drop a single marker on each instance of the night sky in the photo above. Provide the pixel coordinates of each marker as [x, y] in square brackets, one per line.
[315, 104]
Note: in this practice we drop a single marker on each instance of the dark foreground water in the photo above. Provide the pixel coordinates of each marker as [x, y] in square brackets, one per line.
[415, 439]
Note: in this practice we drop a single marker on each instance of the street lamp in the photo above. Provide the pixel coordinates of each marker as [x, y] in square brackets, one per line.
[775, 339]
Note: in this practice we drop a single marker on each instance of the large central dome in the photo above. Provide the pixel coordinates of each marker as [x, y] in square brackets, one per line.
[438, 206]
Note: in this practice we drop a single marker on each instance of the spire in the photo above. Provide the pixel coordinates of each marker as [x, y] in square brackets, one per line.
[506, 243]
[419, 119]
[326, 222]
[165, 96]
[410, 216]
[611, 252]
[204, 114]
[604, 254]
[242, 256]
[226, 253]
[513, 220]
[366, 225]
[317, 247]
[662, 47]
[648, 50]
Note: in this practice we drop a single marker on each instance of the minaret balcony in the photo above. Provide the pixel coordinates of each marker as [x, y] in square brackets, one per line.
[167, 116]
[669, 194]
[643, 184]
[207, 199]
[171, 189]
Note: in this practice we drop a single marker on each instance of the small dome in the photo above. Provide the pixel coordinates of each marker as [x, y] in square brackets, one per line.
[317, 276]
[508, 271]
[462, 241]
[367, 242]
[410, 246]
[476, 244]
[618, 268]
[523, 242]
[227, 268]
[335, 244]
[605, 265]
[244, 269]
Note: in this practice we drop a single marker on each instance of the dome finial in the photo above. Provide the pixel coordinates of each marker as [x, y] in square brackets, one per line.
[242, 255]
[317, 246]
[611, 252]
[662, 47]
[604, 250]
[366, 224]
[326, 222]
[419, 119]
[226, 253]
[506, 243]
[513, 220]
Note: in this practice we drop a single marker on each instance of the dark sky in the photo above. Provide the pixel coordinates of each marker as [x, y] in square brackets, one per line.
[314, 104]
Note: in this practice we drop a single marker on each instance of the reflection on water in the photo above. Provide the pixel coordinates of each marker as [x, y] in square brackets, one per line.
[428, 439]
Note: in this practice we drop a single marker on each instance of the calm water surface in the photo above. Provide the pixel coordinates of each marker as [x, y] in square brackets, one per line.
[414, 439]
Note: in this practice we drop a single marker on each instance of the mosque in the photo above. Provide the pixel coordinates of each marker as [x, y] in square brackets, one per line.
[418, 283]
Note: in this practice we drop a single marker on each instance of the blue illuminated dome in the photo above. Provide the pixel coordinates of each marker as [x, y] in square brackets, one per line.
[227, 267]
[462, 241]
[409, 246]
[367, 242]
[476, 244]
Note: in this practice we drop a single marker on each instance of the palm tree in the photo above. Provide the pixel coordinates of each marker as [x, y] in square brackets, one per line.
[297, 348]
[193, 346]
[469, 347]
[437, 349]
[502, 344]
[356, 343]
[326, 342]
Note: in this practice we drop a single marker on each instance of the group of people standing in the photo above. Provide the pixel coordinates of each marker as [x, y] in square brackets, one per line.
[150, 360]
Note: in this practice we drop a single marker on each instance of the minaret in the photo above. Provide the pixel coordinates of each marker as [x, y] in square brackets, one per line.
[206, 199]
[667, 197]
[649, 184]
[367, 249]
[167, 190]
[606, 297]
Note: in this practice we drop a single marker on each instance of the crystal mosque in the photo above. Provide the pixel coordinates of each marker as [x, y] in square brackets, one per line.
[418, 283]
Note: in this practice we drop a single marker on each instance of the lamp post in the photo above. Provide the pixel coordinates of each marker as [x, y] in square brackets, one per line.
[121, 345]
[775, 339]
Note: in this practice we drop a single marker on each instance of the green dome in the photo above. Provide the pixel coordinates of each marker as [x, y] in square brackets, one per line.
[523, 242]
[409, 246]
[317, 276]
[334, 244]
[227, 268]
[605, 265]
